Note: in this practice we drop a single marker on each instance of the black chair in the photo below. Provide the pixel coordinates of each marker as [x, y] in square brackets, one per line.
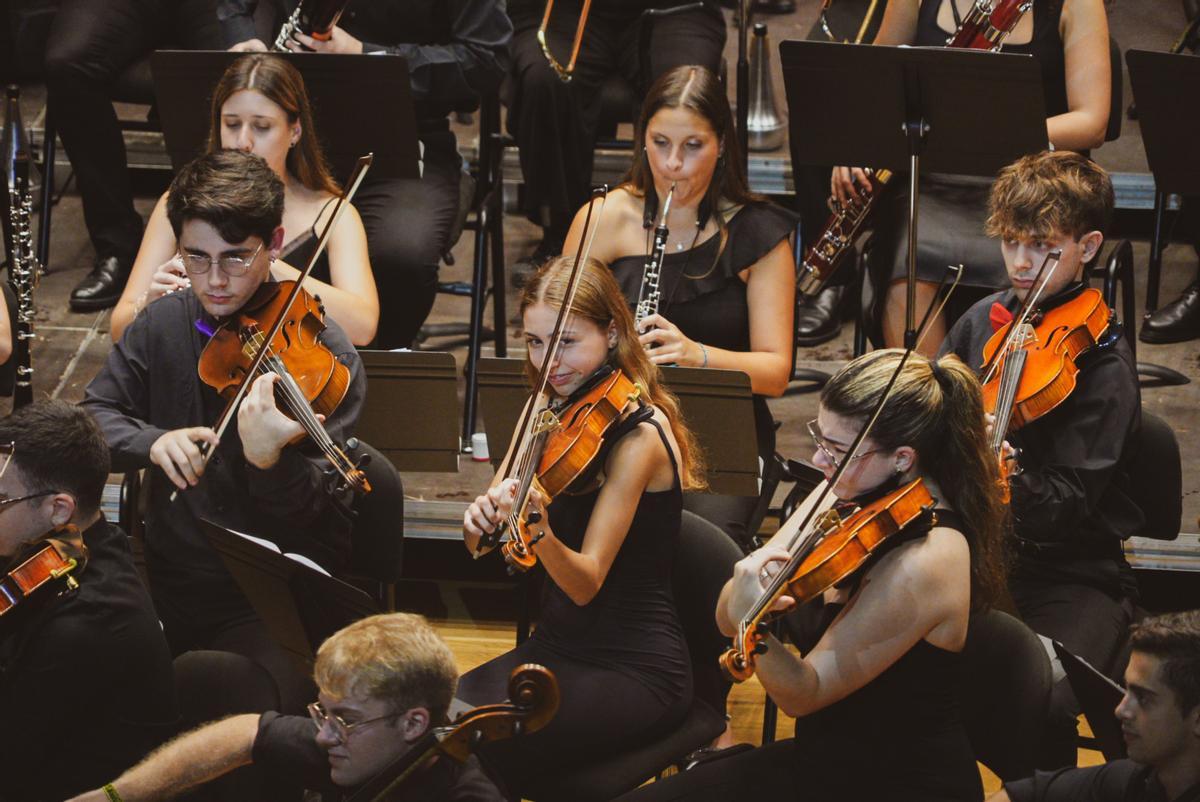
[1005, 692]
[377, 539]
[213, 685]
[703, 563]
[1156, 479]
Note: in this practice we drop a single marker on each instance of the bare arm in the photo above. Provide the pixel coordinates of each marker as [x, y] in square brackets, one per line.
[190, 760]
[919, 591]
[6, 333]
[351, 300]
[999, 796]
[158, 246]
[1084, 27]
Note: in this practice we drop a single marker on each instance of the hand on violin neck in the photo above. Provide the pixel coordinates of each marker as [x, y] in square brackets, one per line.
[488, 511]
[751, 576]
[263, 428]
[178, 454]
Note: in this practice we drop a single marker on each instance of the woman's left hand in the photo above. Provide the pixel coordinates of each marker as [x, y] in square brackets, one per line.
[751, 576]
[338, 42]
[665, 344]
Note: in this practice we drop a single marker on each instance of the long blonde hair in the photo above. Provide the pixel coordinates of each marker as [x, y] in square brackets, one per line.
[599, 300]
[937, 409]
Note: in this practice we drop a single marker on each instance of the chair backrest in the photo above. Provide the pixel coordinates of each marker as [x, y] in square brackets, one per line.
[1004, 693]
[214, 684]
[703, 564]
[377, 539]
[1116, 107]
[1156, 479]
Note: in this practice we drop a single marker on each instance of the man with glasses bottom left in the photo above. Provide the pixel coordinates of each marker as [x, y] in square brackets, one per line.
[85, 675]
[226, 209]
[383, 682]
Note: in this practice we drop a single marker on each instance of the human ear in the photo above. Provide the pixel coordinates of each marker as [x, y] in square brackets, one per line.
[62, 509]
[416, 723]
[1089, 245]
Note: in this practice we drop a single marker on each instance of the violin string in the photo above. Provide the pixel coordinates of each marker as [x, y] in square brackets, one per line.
[1027, 308]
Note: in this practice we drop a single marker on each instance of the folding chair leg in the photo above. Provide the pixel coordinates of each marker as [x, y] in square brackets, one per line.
[48, 148]
[477, 301]
[499, 285]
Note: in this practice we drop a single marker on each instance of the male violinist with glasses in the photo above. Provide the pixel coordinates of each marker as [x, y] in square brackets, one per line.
[1071, 505]
[85, 674]
[226, 209]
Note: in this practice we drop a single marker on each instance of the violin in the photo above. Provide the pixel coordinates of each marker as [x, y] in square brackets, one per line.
[256, 343]
[565, 443]
[533, 702]
[831, 553]
[51, 567]
[1041, 351]
[555, 441]
[312, 381]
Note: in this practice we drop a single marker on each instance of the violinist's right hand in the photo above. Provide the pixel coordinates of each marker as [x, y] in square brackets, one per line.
[848, 183]
[249, 46]
[178, 455]
[487, 511]
[168, 277]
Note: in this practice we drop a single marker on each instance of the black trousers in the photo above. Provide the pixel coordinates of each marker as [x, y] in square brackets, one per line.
[554, 123]
[91, 43]
[767, 772]
[1091, 624]
[408, 224]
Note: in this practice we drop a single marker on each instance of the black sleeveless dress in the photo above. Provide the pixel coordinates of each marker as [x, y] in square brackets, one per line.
[622, 664]
[953, 207]
[899, 737]
[703, 295]
[299, 249]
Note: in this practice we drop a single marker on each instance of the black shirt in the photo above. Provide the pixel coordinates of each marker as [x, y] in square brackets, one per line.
[1118, 781]
[1071, 507]
[85, 681]
[286, 746]
[150, 386]
[457, 50]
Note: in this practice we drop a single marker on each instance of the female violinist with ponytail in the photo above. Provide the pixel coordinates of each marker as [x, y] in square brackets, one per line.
[608, 628]
[880, 683]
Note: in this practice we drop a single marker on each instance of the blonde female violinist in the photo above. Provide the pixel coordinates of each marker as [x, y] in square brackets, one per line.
[608, 627]
[880, 684]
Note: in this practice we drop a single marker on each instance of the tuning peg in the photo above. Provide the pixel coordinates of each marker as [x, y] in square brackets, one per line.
[760, 647]
[535, 516]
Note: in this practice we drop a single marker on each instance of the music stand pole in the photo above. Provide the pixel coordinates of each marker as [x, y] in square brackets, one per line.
[744, 12]
[915, 130]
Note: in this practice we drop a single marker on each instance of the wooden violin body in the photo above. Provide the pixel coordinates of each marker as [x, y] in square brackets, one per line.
[832, 554]
[312, 380]
[322, 378]
[1058, 338]
[51, 567]
[569, 440]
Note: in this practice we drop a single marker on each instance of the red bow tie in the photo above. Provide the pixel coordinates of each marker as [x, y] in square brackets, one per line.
[999, 315]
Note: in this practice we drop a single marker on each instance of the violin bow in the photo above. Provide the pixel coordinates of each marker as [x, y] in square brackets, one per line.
[343, 201]
[532, 419]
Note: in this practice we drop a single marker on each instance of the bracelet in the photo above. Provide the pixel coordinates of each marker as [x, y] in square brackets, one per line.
[111, 793]
[704, 351]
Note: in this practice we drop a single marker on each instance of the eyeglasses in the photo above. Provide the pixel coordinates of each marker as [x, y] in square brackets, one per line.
[341, 729]
[834, 458]
[197, 264]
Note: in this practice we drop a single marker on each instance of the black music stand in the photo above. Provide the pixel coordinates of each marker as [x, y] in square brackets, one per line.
[300, 606]
[361, 104]
[1165, 88]
[1098, 697]
[717, 405]
[910, 109]
[408, 396]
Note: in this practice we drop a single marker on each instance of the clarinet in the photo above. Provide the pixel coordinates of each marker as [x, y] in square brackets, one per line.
[648, 295]
[23, 268]
[985, 27]
[314, 18]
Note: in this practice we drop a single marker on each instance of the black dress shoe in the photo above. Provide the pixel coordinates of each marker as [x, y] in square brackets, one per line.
[522, 269]
[819, 320]
[101, 288]
[1177, 321]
